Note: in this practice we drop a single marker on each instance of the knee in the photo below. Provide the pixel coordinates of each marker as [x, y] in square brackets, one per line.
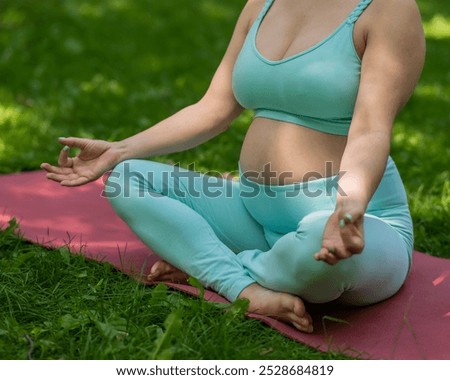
[301, 245]
[312, 225]
[123, 184]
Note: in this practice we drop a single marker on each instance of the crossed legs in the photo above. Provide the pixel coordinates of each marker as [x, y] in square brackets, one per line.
[200, 225]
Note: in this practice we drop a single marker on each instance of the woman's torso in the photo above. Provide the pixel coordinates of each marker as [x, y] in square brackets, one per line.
[280, 151]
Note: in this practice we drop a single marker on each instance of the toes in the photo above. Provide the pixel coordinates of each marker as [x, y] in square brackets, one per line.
[301, 319]
[153, 276]
[306, 324]
[159, 268]
[163, 271]
[282, 306]
[304, 327]
[155, 271]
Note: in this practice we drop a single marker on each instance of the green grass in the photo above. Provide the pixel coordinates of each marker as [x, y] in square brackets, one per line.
[109, 68]
[55, 305]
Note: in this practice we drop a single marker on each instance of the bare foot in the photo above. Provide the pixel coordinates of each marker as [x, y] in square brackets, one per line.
[163, 271]
[283, 306]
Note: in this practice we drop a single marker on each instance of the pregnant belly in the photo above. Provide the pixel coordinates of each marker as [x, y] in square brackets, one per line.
[278, 153]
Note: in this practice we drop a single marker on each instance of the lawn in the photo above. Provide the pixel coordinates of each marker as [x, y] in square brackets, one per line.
[108, 69]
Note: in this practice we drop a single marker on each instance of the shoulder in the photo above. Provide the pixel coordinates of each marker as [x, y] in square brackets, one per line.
[395, 48]
[399, 5]
[402, 13]
[251, 11]
[256, 4]
[397, 23]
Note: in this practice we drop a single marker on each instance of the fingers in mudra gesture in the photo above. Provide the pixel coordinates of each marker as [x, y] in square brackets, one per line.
[93, 160]
[342, 238]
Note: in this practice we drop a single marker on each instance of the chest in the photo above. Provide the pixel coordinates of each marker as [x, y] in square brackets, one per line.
[289, 28]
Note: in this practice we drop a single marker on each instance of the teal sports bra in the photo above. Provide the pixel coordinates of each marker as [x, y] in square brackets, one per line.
[315, 88]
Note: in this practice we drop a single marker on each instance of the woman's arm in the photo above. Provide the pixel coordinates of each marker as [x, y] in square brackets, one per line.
[201, 121]
[186, 129]
[391, 66]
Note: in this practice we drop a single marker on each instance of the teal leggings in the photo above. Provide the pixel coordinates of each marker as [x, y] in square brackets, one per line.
[230, 234]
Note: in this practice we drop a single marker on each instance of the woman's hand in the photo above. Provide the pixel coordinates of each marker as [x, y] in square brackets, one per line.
[343, 235]
[94, 159]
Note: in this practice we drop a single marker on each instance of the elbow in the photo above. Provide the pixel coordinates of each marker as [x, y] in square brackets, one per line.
[372, 121]
[219, 114]
[221, 123]
[224, 121]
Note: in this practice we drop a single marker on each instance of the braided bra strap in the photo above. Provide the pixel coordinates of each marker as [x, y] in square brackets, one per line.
[358, 10]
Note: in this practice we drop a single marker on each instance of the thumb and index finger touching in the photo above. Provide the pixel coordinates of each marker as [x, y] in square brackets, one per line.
[351, 230]
[343, 236]
[64, 160]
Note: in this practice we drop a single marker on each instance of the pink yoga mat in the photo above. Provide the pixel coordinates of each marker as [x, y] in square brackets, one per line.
[414, 324]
